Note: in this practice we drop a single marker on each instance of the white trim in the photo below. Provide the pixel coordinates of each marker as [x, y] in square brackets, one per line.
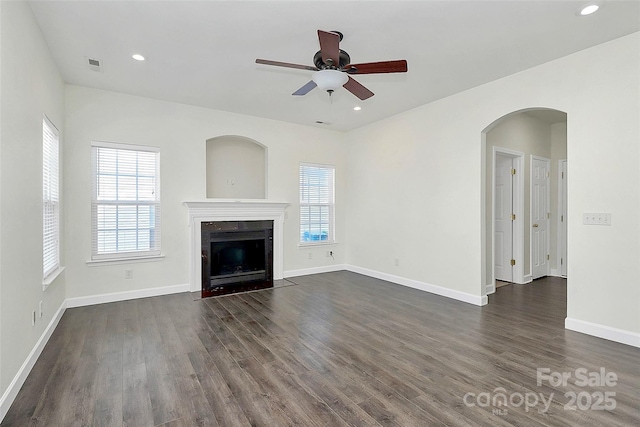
[18, 380]
[124, 146]
[51, 277]
[314, 270]
[129, 260]
[317, 243]
[555, 273]
[491, 289]
[560, 236]
[526, 279]
[601, 331]
[126, 295]
[234, 210]
[427, 287]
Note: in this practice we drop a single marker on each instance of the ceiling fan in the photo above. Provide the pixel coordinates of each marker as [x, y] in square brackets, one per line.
[333, 68]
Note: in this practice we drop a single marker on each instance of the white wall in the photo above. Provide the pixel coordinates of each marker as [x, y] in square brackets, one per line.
[415, 181]
[31, 87]
[181, 133]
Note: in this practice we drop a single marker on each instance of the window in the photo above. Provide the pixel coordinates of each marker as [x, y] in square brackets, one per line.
[125, 208]
[50, 201]
[316, 204]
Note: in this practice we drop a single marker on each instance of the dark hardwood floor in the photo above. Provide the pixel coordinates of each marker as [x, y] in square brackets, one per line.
[336, 349]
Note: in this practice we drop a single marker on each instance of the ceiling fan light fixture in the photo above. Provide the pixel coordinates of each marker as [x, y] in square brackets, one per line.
[329, 80]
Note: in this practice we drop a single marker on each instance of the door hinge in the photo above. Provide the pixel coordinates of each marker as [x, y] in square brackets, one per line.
[513, 171]
[513, 217]
[548, 175]
[547, 257]
[562, 175]
[548, 215]
[561, 218]
[513, 262]
[561, 261]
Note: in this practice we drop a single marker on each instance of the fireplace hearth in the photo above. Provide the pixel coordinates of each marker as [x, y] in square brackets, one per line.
[237, 256]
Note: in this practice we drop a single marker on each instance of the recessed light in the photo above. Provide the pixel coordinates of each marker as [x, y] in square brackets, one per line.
[138, 57]
[589, 9]
[357, 108]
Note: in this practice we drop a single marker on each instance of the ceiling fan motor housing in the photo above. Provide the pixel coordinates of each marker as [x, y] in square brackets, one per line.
[330, 72]
[345, 59]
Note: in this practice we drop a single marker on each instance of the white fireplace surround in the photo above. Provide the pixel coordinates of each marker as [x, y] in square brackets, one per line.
[234, 210]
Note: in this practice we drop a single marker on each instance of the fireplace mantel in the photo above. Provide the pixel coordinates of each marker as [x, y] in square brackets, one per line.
[234, 210]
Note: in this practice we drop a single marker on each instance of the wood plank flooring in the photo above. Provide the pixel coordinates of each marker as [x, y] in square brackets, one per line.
[335, 349]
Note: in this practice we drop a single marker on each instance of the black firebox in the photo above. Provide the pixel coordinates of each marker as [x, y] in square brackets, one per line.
[237, 256]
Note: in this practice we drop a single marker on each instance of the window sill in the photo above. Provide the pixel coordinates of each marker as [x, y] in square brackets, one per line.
[51, 277]
[131, 260]
[317, 243]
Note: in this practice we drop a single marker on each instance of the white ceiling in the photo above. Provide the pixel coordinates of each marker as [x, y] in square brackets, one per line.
[203, 53]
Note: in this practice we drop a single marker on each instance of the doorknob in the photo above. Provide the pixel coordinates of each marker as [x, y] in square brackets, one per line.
[535, 225]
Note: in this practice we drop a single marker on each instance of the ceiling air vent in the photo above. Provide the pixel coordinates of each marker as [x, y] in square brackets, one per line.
[94, 64]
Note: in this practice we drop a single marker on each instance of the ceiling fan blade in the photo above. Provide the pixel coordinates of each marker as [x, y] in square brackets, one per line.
[357, 89]
[329, 46]
[285, 64]
[305, 89]
[399, 66]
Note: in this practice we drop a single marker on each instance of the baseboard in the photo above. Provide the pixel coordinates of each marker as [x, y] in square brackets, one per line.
[490, 289]
[608, 333]
[556, 273]
[427, 287]
[21, 376]
[126, 295]
[314, 270]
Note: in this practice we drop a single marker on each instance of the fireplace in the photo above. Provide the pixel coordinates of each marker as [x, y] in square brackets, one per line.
[224, 210]
[236, 256]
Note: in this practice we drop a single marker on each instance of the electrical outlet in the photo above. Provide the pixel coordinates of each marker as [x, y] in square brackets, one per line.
[310, 255]
[396, 261]
[40, 312]
[329, 254]
[128, 274]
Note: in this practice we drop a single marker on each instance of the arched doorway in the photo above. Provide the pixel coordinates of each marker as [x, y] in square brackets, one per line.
[524, 235]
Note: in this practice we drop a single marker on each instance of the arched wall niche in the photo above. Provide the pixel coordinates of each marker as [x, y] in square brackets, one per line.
[236, 168]
[534, 131]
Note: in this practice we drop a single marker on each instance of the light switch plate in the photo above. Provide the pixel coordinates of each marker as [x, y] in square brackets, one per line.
[596, 218]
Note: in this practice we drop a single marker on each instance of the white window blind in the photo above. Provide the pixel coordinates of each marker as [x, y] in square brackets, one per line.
[316, 203]
[50, 200]
[125, 211]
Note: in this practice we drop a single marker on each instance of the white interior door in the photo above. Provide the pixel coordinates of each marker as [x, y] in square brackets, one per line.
[539, 217]
[503, 210]
[562, 229]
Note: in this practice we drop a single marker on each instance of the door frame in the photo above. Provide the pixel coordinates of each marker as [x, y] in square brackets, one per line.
[518, 208]
[561, 262]
[548, 220]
